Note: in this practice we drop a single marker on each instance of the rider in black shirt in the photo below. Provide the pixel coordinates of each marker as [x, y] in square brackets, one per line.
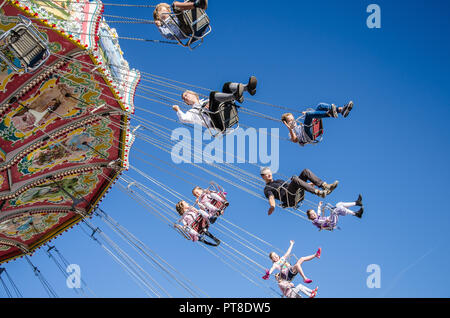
[285, 191]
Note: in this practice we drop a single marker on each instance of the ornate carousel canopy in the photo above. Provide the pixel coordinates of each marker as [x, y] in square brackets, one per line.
[64, 127]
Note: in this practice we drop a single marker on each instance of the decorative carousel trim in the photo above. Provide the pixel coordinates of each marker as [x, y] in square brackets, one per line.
[40, 143]
[13, 243]
[32, 211]
[57, 176]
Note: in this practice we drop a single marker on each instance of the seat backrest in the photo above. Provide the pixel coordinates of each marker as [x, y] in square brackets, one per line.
[299, 196]
[200, 225]
[317, 128]
[223, 115]
[229, 115]
[219, 205]
[198, 20]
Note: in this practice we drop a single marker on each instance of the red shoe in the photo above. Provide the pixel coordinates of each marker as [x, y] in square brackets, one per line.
[319, 252]
[307, 281]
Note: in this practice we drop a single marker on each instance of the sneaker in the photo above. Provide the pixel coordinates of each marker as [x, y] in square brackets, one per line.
[359, 201]
[330, 187]
[239, 94]
[347, 109]
[334, 112]
[359, 213]
[307, 281]
[251, 86]
[319, 252]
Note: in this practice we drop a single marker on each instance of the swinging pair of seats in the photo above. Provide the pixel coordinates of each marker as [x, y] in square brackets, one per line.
[24, 43]
[200, 225]
[316, 127]
[193, 24]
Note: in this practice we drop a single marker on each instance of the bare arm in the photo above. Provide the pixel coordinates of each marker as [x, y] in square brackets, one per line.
[292, 133]
[274, 266]
[288, 252]
[272, 205]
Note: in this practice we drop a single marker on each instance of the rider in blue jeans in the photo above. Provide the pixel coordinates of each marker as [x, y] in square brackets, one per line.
[303, 134]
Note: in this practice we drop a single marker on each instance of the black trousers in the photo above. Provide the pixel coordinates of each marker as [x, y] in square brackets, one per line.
[182, 22]
[301, 182]
[221, 120]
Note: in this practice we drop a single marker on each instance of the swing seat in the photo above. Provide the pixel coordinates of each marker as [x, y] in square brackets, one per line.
[224, 118]
[221, 206]
[316, 127]
[329, 207]
[299, 196]
[200, 225]
[317, 130]
[24, 43]
[195, 26]
[182, 231]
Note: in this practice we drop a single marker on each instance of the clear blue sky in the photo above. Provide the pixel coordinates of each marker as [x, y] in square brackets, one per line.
[393, 148]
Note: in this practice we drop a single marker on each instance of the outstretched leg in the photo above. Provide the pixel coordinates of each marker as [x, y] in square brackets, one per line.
[183, 6]
[250, 87]
[235, 94]
[297, 183]
[308, 175]
[302, 288]
[342, 208]
[322, 111]
[298, 266]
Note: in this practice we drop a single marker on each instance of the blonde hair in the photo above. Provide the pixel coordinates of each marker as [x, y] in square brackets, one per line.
[179, 208]
[156, 15]
[190, 92]
[196, 188]
[285, 116]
